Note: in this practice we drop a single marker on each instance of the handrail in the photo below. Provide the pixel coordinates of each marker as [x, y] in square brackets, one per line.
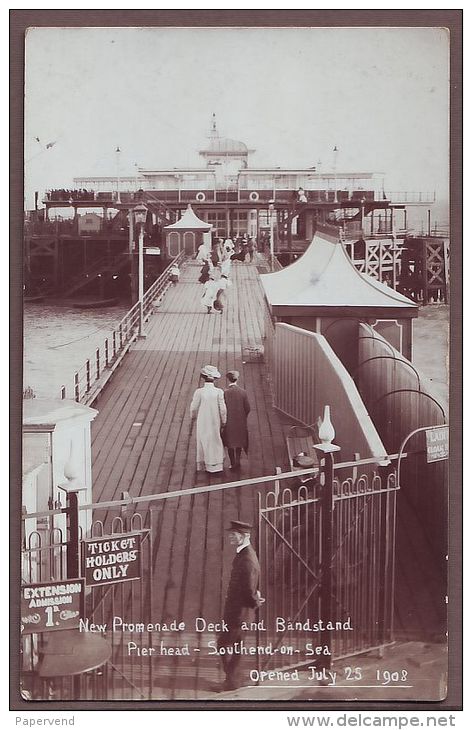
[159, 287]
[274, 263]
[96, 371]
[411, 196]
[178, 493]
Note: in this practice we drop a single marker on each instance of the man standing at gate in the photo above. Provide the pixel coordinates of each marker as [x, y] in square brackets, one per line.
[235, 435]
[242, 598]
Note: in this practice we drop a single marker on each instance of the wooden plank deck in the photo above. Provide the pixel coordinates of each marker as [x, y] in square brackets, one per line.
[143, 443]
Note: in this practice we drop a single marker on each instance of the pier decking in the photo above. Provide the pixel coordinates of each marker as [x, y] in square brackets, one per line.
[150, 446]
[143, 443]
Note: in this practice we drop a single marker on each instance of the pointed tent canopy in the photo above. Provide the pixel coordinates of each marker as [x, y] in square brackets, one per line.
[189, 222]
[325, 282]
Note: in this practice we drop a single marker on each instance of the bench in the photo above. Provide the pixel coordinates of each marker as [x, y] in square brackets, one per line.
[300, 441]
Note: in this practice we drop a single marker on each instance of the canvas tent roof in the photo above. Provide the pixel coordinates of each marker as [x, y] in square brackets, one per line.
[324, 281]
[189, 222]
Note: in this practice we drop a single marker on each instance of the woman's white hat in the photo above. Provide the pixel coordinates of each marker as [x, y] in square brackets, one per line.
[209, 371]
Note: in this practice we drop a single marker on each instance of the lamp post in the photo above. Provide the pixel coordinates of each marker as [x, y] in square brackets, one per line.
[140, 213]
[326, 450]
[118, 181]
[271, 224]
[72, 486]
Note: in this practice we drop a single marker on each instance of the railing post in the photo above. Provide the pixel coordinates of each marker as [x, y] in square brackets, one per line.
[76, 387]
[326, 450]
[87, 369]
[72, 489]
[114, 344]
[106, 353]
[278, 470]
[97, 363]
[121, 336]
[384, 546]
[63, 392]
[72, 511]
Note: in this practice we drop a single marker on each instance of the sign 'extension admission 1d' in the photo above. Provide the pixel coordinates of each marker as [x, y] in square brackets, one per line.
[52, 606]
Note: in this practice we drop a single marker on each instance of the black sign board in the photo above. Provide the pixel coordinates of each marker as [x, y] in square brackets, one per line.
[111, 559]
[52, 606]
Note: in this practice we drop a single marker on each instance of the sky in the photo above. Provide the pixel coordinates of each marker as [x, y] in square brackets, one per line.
[381, 95]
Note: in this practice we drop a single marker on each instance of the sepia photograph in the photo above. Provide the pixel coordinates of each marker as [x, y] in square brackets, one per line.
[236, 287]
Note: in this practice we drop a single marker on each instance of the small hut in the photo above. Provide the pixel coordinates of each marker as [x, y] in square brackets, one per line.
[324, 292]
[186, 234]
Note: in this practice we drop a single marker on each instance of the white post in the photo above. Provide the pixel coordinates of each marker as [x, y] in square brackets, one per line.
[141, 332]
[271, 224]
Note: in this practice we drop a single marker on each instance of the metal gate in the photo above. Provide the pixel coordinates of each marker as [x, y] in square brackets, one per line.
[114, 612]
[126, 608]
[327, 566]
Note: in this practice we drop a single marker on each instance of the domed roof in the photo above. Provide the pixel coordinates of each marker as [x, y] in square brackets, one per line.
[225, 146]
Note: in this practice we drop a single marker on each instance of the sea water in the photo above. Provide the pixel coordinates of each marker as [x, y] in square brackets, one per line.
[58, 339]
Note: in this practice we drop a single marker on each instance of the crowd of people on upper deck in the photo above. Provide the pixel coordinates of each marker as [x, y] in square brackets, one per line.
[67, 196]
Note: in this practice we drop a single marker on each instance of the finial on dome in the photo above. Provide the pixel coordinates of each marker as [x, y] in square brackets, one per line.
[213, 131]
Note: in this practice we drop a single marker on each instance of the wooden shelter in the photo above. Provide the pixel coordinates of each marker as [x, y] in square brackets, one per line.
[186, 234]
[323, 292]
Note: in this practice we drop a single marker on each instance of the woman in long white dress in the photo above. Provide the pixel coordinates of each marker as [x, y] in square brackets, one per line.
[210, 290]
[209, 409]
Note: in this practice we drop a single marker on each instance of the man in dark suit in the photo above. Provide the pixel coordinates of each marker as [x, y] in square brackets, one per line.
[235, 435]
[242, 598]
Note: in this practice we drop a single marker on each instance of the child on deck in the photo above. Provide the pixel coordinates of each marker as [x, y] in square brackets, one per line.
[174, 274]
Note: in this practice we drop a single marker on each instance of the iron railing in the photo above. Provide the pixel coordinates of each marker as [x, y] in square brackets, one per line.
[411, 197]
[274, 263]
[127, 500]
[118, 678]
[96, 371]
[348, 578]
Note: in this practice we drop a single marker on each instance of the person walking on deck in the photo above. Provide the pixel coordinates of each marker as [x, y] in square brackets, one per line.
[235, 434]
[228, 247]
[223, 284]
[204, 273]
[242, 598]
[208, 408]
[250, 249]
[225, 267]
[210, 289]
[203, 253]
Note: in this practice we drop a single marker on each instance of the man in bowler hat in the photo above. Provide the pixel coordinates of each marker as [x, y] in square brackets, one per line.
[242, 599]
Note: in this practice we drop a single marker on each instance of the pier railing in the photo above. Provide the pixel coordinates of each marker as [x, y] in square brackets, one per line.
[97, 370]
[412, 197]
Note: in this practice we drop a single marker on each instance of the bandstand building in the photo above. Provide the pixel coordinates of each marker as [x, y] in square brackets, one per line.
[280, 208]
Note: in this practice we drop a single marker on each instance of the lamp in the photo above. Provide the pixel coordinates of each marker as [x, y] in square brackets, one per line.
[271, 224]
[326, 433]
[140, 215]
